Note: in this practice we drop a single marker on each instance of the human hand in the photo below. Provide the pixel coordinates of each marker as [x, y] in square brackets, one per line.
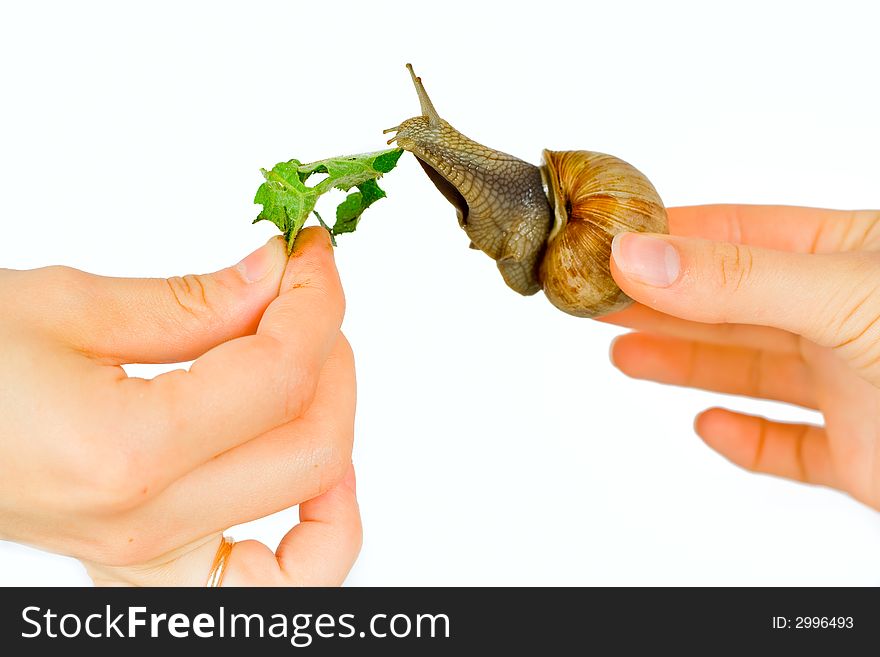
[772, 302]
[137, 478]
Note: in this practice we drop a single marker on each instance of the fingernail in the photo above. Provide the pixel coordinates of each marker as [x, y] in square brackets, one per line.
[258, 264]
[649, 260]
[349, 479]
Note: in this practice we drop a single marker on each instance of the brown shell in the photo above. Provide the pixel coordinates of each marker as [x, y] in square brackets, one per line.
[595, 196]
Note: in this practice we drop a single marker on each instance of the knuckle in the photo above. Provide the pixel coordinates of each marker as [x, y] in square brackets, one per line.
[801, 473]
[333, 428]
[733, 263]
[330, 462]
[760, 443]
[113, 466]
[103, 468]
[190, 294]
[340, 459]
[872, 233]
[346, 353]
[341, 301]
[869, 359]
[60, 286]
[340, 419]
[336, 466]
[162, 408]
[300, 385]
[122, 483]
[339, 424]
[734, 222]
[859, 313]
[358, 536]
[353, 537]
[861, 230]
[755, 373]
[65, 284]
[64, 275]
[303, 381]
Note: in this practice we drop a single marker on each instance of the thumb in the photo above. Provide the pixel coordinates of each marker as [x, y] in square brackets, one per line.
[830, 299]
[159, 320]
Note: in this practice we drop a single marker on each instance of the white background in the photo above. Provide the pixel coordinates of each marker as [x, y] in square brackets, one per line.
[495, 442]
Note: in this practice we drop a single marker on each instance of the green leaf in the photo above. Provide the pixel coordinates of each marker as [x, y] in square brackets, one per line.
[387, 160]
[288, 200]
[349, 212]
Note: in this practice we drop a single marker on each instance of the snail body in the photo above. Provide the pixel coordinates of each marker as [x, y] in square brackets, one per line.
[547, 227]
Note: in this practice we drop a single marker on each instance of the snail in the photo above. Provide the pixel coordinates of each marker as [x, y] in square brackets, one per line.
[547, 227]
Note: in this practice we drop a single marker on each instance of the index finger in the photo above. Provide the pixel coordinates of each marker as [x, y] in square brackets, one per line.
[252, 384]
[780, 227]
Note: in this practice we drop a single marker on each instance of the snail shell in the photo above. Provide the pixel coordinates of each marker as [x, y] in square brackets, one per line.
[547, 228]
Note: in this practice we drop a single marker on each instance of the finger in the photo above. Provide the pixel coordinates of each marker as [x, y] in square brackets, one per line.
[648, 320]
[802, 230]
[794, 451]
[833, 300]
[247, 386]
[323, 547]
[158, 320]
[319, 551]
[296, 461]
[731, 370]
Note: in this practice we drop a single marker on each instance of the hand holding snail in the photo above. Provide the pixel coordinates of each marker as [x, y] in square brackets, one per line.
[771, 302]
[547, 227]
[798, 299]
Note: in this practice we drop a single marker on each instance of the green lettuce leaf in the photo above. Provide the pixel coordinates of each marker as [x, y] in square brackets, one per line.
[288, 200]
